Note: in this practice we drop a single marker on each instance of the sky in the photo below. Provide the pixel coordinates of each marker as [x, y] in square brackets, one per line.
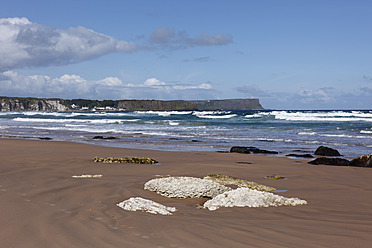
[290, 54]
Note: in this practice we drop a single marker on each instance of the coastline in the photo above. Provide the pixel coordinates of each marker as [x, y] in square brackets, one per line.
[43, 206]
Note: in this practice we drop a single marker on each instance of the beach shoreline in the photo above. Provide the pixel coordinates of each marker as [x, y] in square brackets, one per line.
[44, 206]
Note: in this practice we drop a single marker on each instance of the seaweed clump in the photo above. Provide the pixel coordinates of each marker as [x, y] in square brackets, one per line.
[228, 180]
[276, 177]
[128, 160]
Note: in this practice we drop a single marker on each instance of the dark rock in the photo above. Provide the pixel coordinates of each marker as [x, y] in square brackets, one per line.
[250, 149]
[239, 149]
[101, 137]
[326, 151]
[195, 141]
[331, 161]
[45, 138]
[300, 155]
[363, 161]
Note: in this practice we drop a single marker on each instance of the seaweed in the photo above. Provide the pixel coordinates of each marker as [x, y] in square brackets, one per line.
[276, 177]
[229, 180]
[131, 160]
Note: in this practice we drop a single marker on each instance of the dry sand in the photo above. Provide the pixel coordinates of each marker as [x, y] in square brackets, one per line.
[43, 206]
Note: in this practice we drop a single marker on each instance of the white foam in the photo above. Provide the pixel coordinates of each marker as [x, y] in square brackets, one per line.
[141, 204]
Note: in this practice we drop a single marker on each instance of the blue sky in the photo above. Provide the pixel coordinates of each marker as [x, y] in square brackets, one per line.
[289, 54]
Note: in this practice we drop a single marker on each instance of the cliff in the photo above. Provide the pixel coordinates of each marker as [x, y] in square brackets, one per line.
[39, 104]
[31, 104]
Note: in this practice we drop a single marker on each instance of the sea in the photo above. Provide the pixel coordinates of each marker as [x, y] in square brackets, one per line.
[300, 132]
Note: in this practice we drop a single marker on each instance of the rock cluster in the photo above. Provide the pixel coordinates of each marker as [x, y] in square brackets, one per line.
[185, 187]
[228, 180]
[250, 149]
[363, 161]
[244, 197]
[134, 160]
[141, 204]
[222, 196]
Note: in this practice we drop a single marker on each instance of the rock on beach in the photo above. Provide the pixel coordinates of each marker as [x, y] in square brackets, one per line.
[141, 204]
[244, 197]
[185, 187]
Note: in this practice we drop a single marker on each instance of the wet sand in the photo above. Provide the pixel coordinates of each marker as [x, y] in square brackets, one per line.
[43, 206]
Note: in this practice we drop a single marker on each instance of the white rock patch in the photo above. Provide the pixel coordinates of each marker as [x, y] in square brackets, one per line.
[244, 197]
[88, 176]
[141, 204]
[185, 187]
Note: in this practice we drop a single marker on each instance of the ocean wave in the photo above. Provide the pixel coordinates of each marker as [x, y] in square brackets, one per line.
[258, 115]
[91, 121]
[217, 116]
[346, 136]
[323, 116]
[307, 133]
[366, 131]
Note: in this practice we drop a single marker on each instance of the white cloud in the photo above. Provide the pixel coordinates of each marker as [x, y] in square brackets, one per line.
[27, 44]
[153, 82]
[156, 83]
[66, 86]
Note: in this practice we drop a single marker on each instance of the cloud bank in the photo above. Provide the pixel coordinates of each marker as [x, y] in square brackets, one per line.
[74, 86]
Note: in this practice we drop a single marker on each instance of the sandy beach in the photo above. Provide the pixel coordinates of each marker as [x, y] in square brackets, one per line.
[43, 206]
